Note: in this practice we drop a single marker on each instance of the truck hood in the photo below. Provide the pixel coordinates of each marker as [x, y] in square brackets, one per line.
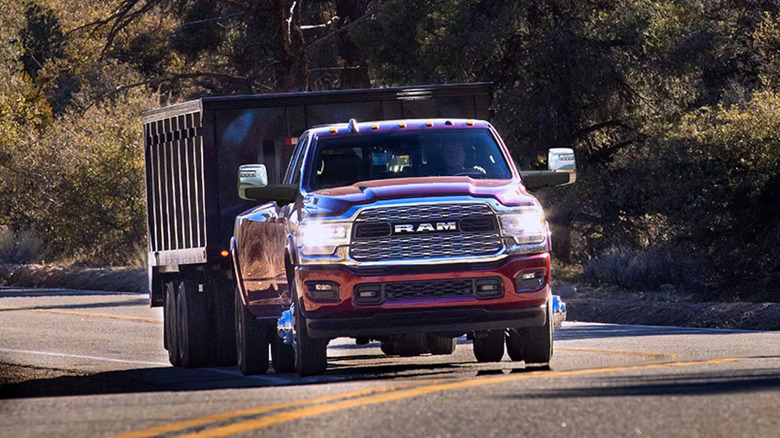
[339, 199]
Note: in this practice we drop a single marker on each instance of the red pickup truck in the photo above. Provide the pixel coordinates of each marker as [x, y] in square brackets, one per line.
[410, 232]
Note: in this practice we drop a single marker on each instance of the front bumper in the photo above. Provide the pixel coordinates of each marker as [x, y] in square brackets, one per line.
[345, 317]
[451, 322]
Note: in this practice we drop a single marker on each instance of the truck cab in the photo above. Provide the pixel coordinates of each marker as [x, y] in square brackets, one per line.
[410, 232]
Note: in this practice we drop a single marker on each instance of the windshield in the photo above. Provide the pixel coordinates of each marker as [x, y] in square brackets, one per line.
[344, 161]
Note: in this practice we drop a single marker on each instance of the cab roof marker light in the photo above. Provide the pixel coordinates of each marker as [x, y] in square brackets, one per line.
[332, 130]
[353, 126]
[402, 125]
[374, 126]
[429, 123]
[470, 122]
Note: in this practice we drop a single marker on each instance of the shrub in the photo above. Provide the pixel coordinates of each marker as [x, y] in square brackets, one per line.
[24, 247]
[646, 268]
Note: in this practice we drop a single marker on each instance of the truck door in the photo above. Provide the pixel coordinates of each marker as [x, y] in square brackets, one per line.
[261, 235]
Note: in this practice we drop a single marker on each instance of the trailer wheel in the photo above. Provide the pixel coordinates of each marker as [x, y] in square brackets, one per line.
[489, 346]
[170, 324]
[311, 355]
[251, 340]
[282, 355]
[439, 345]
[223, 319]
[412, 345]
[192, 322]
[534, 343]
[389, 347]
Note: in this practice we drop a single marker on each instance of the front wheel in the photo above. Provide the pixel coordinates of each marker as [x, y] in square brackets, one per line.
[311, 355]
[251, 341]
[534, 345]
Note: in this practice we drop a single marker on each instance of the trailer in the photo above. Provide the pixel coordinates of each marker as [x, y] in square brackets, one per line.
[193, 151]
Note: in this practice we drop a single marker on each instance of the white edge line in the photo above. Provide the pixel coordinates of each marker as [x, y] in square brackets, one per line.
[78, 356]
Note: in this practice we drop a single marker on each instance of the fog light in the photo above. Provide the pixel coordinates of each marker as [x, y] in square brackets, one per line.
[531, 281]
[326, 291]
[487, 288]
[368, 294]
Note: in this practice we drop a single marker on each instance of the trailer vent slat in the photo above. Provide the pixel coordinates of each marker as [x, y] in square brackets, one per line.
[174, 178]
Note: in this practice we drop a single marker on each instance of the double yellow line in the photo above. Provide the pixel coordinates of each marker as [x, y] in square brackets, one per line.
[338, 402]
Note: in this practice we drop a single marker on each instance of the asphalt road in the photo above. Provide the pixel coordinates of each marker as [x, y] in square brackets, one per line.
[101, 371]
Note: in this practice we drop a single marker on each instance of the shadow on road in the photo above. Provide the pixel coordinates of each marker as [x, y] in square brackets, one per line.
[178, 379]
[614, 331]
[693, 384]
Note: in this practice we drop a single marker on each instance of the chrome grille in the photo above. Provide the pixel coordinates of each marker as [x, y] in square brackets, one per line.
[424, 212]
[477, 236]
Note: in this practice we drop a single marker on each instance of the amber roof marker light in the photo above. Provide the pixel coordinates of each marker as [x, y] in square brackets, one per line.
[224, 253]
[402, 125]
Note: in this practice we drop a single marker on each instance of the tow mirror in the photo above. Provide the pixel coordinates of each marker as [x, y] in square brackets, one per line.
[253, 186]
[251, 176]
[562, 170]
[561, 160]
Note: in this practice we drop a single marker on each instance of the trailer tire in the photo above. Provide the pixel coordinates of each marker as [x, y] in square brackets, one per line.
[170, 324]
[192, 322]
[535, 343]
[224, 349]
[311, 355]
[490, 346]
[439, 345]
[389, 347]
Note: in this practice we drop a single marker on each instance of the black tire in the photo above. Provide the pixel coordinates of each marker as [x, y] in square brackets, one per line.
[514, 346]
[311, 355]
[223, 320]
[193, 323]
[412, 345]
[489, 347]
[170, 323]
[282, 355]
[439, 345]
[536, 343]
[251, 340]
[388, 347]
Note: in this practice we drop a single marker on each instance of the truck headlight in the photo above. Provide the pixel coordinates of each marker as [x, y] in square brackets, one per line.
[322, 238]
[526, 225]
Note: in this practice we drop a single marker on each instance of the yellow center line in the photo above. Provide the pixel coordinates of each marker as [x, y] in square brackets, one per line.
[181, 425]
[649, 355]
[87, 315]
[282, 417]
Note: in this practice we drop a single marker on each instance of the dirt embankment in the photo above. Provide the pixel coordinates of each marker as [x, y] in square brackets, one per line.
[74, 277]
[666, 307]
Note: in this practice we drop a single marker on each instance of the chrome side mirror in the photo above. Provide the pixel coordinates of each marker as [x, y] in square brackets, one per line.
[561, 160]
[251, 176]
[562, 170]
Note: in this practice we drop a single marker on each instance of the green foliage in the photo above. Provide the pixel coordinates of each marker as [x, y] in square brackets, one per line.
[672, 106]
[41, 38]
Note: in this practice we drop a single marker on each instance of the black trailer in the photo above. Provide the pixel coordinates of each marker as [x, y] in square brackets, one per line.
[193, 151]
